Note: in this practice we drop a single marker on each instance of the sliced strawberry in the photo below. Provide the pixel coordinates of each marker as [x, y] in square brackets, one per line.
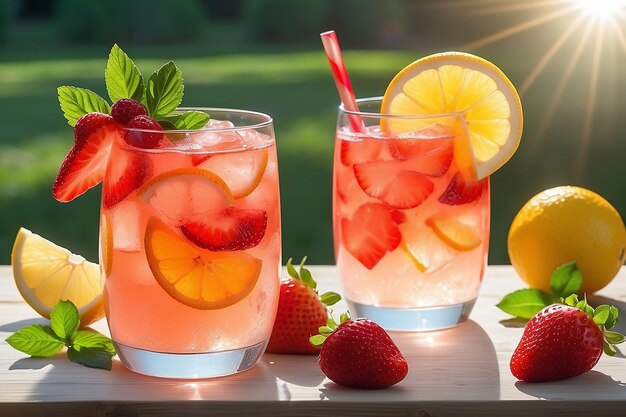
[124, 177]
[393, 186]
[370, 234]
[462, 190]
[365, 150]
[198, 158]
[85, 164]
[230, 229]
[398, 216]
[432, 162]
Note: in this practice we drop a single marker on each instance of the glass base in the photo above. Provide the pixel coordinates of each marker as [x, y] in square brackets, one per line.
[413, 319]
[189, 365]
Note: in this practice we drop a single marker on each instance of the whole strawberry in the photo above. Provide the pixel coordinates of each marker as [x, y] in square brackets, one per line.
[565, 340]
[301, 311]
[360, 354]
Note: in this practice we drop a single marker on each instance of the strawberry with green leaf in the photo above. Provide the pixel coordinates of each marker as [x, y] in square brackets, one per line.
[359, 353]
[565, 340]
[148, 106]
[301, 312]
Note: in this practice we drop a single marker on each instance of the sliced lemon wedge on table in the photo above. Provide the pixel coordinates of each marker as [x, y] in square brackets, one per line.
[46, 273]
[470, 88]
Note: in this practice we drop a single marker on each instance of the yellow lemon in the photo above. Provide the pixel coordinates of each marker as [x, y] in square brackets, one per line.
[566, 224]
[46, 273]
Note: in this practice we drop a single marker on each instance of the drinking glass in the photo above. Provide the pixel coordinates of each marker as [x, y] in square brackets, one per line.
[410, 224]
[190, 245]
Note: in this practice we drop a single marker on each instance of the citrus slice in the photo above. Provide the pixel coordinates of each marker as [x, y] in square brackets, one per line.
[198, 277]
[427, 252]
[454, 233]
[106, 244]
[469, 88]
[241, 171]
[46, 273]
[184, 194]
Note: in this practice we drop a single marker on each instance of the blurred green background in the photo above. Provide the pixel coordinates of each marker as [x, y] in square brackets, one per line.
[266, 55]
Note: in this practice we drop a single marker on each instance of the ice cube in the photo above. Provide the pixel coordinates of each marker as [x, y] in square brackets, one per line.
[127, 226]
[219, 124]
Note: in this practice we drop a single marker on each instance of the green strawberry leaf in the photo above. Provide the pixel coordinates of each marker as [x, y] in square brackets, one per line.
[585, 307]
[344, 317]
[331, 322]
[609, 349]
[612, 320]
[36, 340]
[601, 314]
[614, 338]
[317, 340]
[307, 278]
[165, 91]
[325, 330]
[76, 102]
[189, 120]
[122, 77]
[565, 280]
[92, 357]
[291, 270]
[330, 298]
[64, 319]
[571, 301]
[92, 339]
[525, 303]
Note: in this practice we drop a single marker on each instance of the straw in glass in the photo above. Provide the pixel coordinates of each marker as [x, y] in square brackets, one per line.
[342, 81]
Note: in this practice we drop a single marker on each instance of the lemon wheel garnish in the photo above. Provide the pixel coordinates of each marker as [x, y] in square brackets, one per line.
[198, 277]
[464, 86]
[46, 273]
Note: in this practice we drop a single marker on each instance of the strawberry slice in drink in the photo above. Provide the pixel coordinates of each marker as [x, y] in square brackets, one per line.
[127, 174]
[229, 230]
[393, 186]
[371, 233]
[359, 152]
[85, 164]
[429, 157]
[462, 190]
[432, 139]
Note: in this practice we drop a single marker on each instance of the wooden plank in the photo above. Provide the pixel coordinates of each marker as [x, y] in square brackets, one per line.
[461, 371]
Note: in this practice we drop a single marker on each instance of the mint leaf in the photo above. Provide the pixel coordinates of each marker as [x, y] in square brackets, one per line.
[122, 77]
[91, 339]
[36, 340]
[91, 357]
[566, 279]
[64, 319]
[76, 102]
[330, 298]
[189, 120]
[165, 91]
[525, 303]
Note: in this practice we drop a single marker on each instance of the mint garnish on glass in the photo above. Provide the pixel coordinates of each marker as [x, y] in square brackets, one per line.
[157, 99]
[86, 347]
[525, 303]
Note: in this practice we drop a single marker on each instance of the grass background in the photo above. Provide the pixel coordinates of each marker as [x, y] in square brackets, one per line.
[294, 86]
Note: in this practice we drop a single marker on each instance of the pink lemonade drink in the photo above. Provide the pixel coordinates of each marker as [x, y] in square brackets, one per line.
[190, 246]
[411, 227]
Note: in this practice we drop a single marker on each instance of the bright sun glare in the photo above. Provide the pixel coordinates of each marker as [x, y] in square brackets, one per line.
[601, 9]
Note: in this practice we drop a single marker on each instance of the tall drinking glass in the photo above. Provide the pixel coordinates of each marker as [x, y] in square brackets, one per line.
[190, 245]
[411, 226]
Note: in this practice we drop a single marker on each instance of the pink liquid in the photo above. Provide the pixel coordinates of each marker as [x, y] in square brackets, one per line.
[140, 312]
[411, 229]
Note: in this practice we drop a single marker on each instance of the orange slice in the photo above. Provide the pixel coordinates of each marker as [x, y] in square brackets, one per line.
[484, 107]
[46, 273]
[106, 244]
[198, 277]
[241, 171]
[183, 194]
[454, 233]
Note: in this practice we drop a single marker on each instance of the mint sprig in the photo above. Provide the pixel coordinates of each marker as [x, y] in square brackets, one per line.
[525, 303]
[86, 347]
[122, 77]
[161, 95]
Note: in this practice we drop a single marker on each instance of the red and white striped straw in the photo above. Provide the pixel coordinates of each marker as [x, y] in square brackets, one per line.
[342, 81]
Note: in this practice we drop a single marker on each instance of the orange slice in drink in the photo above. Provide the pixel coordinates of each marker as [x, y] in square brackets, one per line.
[424, 248]
[484, 107]
[454, 233]
[46, 273]
[198, 277]
[241, 171]
[183, 194]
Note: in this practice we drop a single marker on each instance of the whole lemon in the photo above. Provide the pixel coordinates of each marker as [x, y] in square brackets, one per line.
[566, 224]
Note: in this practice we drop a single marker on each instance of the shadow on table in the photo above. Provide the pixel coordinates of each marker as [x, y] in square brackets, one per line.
[14, 326]
[459, 363]
[605, 388]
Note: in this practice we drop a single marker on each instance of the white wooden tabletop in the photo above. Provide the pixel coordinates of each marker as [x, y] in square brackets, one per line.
[462, 371]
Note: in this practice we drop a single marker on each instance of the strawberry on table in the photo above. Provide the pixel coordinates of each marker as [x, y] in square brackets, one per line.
[360, 354]
[565, 340]
[301, 312]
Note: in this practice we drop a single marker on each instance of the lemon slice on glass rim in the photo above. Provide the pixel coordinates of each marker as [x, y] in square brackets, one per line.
[470, 89]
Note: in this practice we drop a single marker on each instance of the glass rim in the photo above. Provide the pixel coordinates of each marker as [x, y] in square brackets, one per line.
[264, 123]
[364, 100]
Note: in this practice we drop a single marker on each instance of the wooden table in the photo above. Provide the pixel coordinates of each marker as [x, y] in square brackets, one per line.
[462, 371]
